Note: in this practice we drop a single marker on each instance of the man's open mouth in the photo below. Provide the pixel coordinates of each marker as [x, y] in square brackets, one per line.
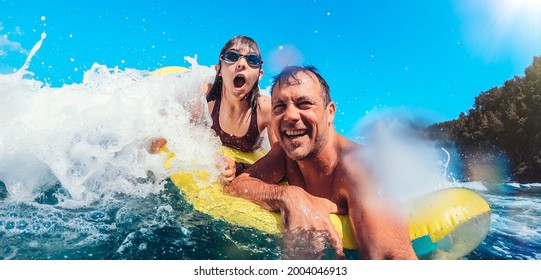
[295, 133]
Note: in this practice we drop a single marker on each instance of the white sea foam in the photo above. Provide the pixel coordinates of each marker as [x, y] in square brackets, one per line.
[530, 186]
[514, 185]
[474, 185]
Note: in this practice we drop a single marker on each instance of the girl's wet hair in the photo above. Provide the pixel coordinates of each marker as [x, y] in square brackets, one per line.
[288, 76]
[216, 90]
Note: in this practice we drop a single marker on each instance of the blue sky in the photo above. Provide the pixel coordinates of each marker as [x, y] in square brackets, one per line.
[427, 56]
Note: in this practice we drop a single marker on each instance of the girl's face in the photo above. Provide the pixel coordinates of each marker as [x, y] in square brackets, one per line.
[240, 68]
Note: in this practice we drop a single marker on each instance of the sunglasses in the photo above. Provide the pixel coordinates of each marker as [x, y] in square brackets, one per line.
[232, 56]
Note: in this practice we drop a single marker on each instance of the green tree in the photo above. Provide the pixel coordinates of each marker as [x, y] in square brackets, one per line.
[502, 130]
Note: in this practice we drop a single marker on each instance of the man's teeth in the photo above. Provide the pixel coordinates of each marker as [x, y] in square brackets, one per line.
[294, 132]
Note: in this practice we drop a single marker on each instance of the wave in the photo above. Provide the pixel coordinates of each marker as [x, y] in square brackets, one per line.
[91, 138]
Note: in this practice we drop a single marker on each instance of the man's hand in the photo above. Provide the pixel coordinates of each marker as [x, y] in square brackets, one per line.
[307, 224]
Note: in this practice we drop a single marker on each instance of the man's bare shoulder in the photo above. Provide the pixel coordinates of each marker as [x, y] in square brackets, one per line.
[353, 164]
[349, 150]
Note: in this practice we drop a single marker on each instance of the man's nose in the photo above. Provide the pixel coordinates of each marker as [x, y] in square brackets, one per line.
[291, 113]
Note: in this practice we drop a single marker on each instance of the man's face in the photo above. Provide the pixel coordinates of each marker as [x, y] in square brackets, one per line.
[300, 118]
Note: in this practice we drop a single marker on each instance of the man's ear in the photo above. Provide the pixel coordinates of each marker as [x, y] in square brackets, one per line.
[331, 111]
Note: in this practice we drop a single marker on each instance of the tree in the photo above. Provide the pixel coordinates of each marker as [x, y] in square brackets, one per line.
[502, 130]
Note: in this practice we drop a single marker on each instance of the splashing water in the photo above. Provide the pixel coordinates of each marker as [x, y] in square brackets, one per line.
[74, 165]
[404, 161]
[91, 137]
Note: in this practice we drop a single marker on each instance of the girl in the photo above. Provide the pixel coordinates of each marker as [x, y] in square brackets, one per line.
[239, 113]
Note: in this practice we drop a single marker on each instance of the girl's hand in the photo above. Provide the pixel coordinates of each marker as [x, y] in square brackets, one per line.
[157, 145]
[228, 174]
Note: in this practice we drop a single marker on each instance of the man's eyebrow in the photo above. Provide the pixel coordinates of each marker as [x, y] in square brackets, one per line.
[305, 98]
[278, 100]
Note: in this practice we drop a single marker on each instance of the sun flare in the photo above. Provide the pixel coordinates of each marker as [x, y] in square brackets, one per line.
[503, 27]
[526, 13]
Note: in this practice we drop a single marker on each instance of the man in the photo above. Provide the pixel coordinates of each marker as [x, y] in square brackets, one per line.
[324, 171]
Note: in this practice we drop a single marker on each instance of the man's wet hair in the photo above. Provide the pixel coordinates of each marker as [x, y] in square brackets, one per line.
[288, 77]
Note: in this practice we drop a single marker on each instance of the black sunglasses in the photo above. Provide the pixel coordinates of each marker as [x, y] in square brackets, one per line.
[232, 56]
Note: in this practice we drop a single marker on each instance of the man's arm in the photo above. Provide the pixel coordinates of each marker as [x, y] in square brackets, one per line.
[301, 212]
[259, 182]
[378, 222]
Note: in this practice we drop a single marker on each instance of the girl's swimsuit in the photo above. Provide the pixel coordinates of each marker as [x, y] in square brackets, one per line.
[247, 143]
